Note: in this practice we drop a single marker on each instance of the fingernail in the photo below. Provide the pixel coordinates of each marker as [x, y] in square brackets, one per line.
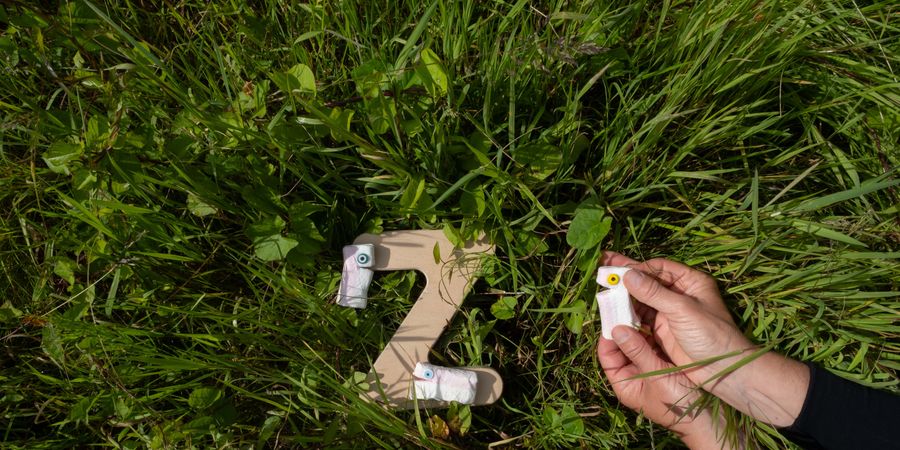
[620, 335]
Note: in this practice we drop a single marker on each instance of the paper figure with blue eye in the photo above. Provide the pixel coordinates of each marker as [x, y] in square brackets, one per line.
[615, 302]
[444, 384]
[357, 276]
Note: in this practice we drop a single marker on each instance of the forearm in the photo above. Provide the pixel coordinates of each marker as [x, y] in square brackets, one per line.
[770, 388]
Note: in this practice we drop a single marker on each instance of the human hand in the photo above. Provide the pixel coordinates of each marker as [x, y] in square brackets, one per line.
[665, 399]
[690, 323]
[688, 318]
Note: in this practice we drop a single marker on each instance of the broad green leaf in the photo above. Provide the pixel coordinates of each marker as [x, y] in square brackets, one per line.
[572, 423]
[412, 193]
[80, 411]
[303, 228]
[198, 207]
[358, 380]
[270, 425]
[225, 414]
[341, 118]
[575, 318]
[453, 235]
[305, 78]
[472, 202]
[80, 303]
[51, 343]
[529, 243]
[202, 398]
[299, 79]
[381, 112]
[432, 73]
[412, 126]
[122, 407]
[540, 159]
[9, 312]
[266, 227]
[308, 236]
[97, 132]
[551, 419]
[273, 248]
[60, 154]
[268, 243]
[370, 78]
[504, 308]
[588, 228]
[65, 269]
[459, 417]
[83, 178]
[201, 424]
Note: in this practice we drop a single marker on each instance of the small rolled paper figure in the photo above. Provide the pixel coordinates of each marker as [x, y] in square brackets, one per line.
[356, 276]
[443, 383]
[615, 302]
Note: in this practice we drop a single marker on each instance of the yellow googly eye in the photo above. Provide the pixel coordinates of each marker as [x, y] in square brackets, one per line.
[612, 279]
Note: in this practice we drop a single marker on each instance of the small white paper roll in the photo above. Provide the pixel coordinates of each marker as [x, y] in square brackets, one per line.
[356, 276]
[443, 383]
[615, 303]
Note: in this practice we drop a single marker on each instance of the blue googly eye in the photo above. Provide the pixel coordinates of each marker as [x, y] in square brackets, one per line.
[428, 374]
[362, 258]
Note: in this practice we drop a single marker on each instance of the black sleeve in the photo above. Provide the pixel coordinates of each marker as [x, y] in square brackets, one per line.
[840, 414]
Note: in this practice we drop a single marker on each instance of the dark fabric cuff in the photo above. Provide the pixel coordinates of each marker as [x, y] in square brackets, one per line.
[841, 414]
[795, 433]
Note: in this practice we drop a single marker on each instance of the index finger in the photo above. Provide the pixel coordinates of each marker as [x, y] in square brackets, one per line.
[611, 258]
[684, 280]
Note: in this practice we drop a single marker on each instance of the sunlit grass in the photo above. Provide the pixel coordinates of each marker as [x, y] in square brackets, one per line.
[155, 163]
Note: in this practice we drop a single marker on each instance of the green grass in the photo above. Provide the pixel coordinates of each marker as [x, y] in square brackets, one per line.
[157, 158]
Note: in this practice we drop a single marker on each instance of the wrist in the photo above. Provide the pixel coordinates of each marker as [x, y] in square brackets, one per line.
[771, 388]
[706, 432]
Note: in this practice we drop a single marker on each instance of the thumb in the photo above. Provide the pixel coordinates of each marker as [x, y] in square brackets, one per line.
[651, 292]
[636, 348]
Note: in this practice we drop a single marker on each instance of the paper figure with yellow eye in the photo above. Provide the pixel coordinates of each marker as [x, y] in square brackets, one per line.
[615, 303]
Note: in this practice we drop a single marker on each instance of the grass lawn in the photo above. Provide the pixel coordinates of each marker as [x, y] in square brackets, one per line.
[177, 179]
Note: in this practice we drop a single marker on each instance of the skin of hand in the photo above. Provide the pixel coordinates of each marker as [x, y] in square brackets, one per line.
[690, 323]
[664, 399]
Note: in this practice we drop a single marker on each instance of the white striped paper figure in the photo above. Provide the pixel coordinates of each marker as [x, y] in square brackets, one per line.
[356, 276]
[615, 302]
[443, 383]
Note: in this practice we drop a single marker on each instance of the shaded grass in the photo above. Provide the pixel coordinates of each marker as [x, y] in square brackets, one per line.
[754, 140]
